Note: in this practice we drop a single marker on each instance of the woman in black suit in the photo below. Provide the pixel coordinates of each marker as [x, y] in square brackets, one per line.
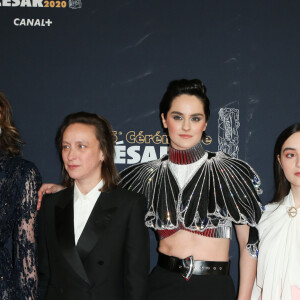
[92, 240]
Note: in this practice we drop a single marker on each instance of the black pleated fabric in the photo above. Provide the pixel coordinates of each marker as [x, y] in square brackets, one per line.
[222, 188]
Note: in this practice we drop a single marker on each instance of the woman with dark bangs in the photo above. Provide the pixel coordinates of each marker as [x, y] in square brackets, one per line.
[278, 276]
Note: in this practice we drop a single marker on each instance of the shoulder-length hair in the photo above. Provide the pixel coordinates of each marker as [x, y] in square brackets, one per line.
[282, 185]
[104, 135]
[10, 139]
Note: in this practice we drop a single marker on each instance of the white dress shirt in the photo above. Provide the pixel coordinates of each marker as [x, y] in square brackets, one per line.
[183, 173]
[83, 206]
[278, 275]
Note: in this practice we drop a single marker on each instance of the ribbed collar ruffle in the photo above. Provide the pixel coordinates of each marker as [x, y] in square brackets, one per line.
[185, 157]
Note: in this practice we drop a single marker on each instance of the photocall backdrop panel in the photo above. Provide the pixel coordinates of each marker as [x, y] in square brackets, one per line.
[116, 57]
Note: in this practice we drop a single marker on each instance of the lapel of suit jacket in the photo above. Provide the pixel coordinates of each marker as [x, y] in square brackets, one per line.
[98, 221]
[64, 224]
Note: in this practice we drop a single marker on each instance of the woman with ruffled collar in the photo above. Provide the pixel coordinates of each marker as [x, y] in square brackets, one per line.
[278, 276]
[193, 198]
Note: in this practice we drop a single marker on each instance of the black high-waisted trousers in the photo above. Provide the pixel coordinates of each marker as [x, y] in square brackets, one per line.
[167, 285]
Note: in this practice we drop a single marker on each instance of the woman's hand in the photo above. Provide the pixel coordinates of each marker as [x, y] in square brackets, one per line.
[47, 188]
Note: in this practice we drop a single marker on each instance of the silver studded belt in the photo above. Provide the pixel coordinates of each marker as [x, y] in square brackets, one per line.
[188, 266]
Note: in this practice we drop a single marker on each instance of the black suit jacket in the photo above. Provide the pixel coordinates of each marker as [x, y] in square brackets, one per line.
[111, 258]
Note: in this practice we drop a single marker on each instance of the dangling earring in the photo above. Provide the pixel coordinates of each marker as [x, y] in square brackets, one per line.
[0, 130]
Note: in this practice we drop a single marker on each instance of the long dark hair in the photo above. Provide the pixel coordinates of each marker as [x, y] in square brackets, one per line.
[193, 87]
[10, 139]
[282, 185]
[104, 135]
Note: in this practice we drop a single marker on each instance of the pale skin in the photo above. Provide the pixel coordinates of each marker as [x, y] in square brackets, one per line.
[289, 160]
[82, 156]
[186, 122]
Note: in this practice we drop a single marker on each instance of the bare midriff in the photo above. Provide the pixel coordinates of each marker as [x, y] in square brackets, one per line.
[183, 244]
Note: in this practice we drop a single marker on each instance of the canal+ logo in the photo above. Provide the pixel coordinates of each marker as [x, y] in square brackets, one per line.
[74, 4]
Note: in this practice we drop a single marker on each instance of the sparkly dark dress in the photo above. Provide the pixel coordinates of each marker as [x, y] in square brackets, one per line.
[19, 183]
